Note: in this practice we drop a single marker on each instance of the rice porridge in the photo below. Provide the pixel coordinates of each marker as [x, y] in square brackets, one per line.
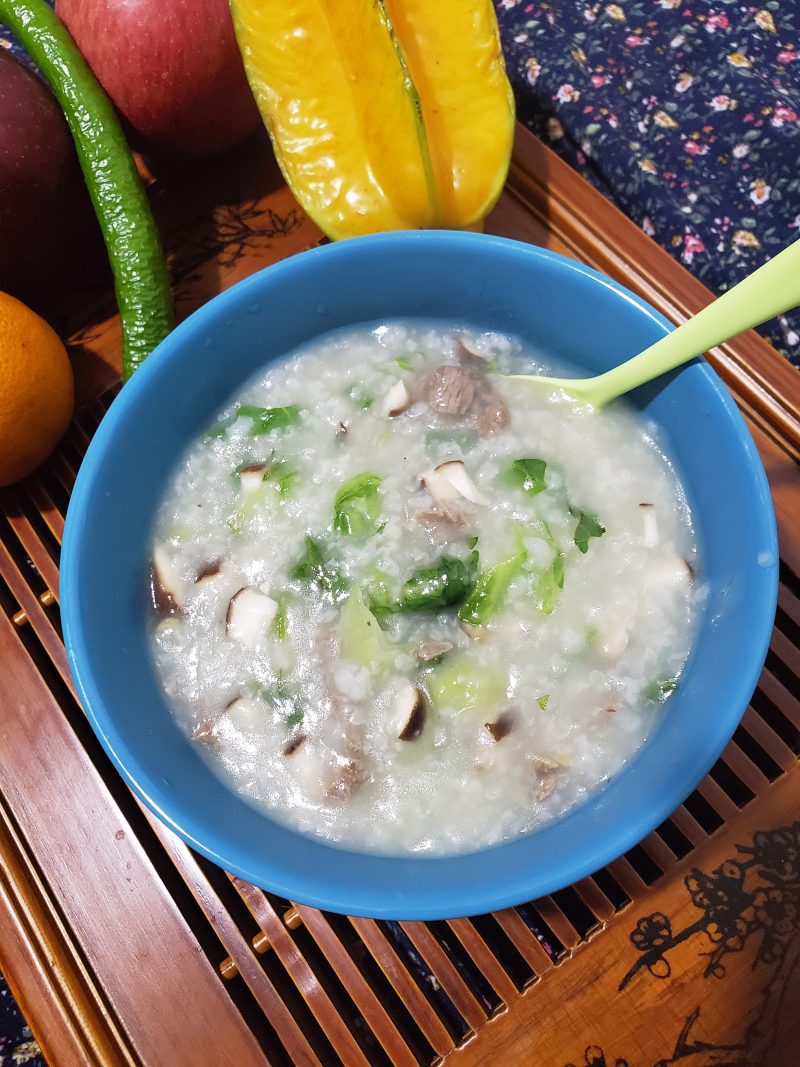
[405, 603]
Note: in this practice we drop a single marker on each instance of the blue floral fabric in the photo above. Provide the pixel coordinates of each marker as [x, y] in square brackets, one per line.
[683, 112]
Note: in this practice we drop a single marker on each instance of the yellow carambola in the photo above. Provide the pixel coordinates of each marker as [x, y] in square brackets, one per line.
[384, 114]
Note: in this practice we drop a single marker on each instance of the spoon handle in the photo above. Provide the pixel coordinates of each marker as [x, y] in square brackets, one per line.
[768, 291]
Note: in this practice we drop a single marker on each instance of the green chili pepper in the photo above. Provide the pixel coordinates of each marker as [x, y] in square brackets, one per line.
[120, 203]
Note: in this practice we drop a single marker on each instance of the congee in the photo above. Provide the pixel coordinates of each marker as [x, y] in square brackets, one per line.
[408, 604]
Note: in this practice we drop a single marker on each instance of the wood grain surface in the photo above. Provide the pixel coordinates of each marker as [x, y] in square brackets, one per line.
[124, 947]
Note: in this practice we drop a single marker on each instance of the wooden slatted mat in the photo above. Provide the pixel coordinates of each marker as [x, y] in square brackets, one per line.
[126, 947]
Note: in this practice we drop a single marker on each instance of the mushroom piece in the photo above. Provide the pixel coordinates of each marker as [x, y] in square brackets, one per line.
[467, 358]
[165, 581]
[411, 713]
[244, 714]
[669, 569]
[208, 570]
[449, 480]
[249, 614]
[293, 744]
[613, 640]
[502, 725]
[428, 650]
[397, 400]
[650, 523]
[350, 774]
[251, 477]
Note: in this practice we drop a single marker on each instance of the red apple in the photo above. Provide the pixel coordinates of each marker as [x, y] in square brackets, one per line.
[46, 222]
[172, 68]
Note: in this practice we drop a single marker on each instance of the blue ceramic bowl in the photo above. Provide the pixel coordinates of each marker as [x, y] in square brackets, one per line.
[557, 306]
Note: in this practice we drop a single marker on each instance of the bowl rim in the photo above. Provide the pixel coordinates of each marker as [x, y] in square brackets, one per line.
[357, 899]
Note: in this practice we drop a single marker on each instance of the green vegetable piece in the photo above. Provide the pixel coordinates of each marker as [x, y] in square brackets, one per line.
[547, 584]
[357, 505]
[404, 363]
[462, 685]
[588, 526]
[134, 250]
[490, 590]
[658, 691]
[360, 397]
[362, 640]
[543, 701]
[280, 624]
[315, 567]
[265, 420]
[447, 582]
[528, 474]
[377, 593]
[294, 718]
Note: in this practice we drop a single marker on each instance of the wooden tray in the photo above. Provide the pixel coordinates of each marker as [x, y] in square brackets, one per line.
[124, 947]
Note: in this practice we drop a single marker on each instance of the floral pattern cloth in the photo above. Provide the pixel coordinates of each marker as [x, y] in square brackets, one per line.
[17, 1046]
[684, 112]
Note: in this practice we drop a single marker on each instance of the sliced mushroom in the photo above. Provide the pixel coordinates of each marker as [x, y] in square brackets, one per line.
[613, 640]
[428, 650]
[669, 569]
[449, 480]
[204, 734]
[650, 524]
[502, 725]
[165, 582]
[449, 390]
[467, 358]
[411, 713]
[244, 714]
[397, 400]
[208, 570]
[293, 744]
[249, 614]
[251, 477]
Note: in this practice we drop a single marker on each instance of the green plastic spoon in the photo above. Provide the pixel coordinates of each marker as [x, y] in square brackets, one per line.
[771, 290]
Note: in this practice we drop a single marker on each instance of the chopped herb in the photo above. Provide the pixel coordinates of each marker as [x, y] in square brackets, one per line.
[283, 477]
[547, 584]
[543, 701]
[359, 396]
[315, 567]
[447, 582]
[356, 508]
[265, 420]
[471, 542]
[294, 718]
[658, 691]
[528, 474]
[404, 363]
[588, 526]
[280, 624]
[490, 589]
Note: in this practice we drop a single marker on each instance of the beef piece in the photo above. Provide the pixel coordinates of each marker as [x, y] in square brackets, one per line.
[443, 522]
[488, 409]
[449, 390]
[428, 650]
